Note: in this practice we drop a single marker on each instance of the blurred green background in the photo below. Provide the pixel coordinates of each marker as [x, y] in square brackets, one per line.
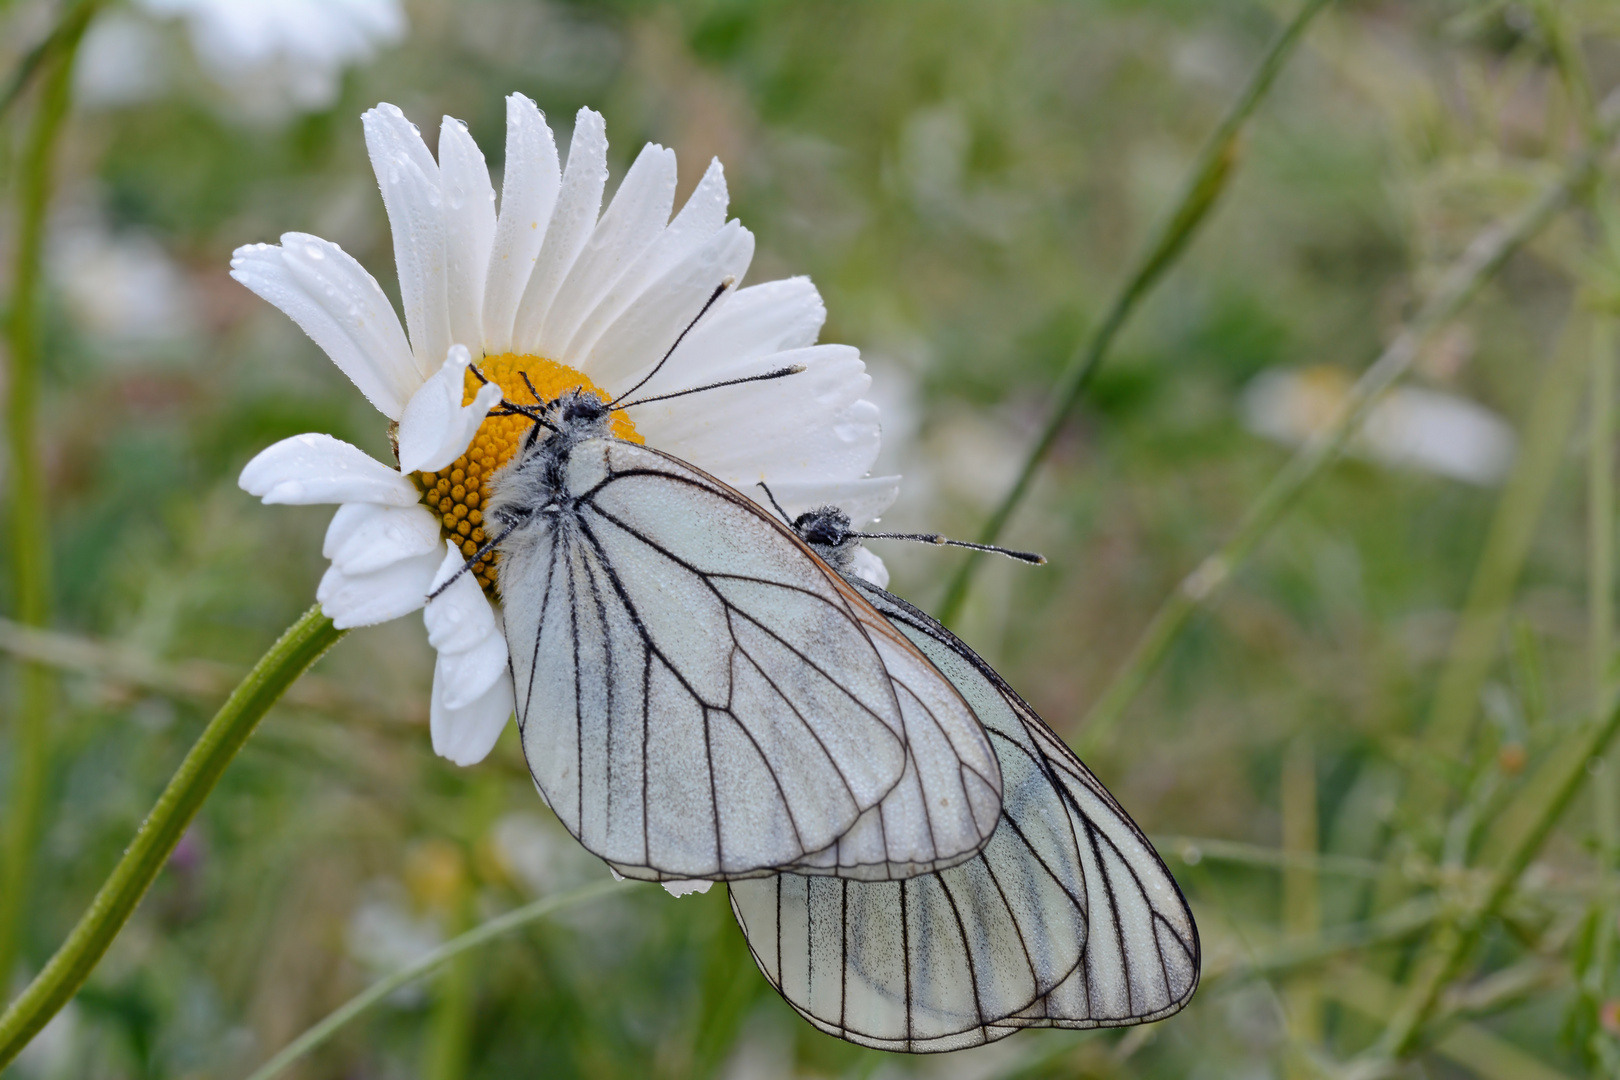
[966, 183]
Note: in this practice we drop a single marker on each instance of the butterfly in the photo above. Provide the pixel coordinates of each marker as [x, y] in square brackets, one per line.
[1066, 918]
[701, 696]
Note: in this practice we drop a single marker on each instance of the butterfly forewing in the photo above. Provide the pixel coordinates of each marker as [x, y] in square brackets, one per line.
[949, 798]
[1066, 918]
[699, 695]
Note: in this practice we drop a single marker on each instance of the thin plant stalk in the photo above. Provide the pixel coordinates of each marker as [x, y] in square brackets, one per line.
[303, 643]
[29, 522]
[450, 950]
[1200, 190]
[1507, 545]
[1461, 281]
[1523, 827]
[1302, 900]
[1600, 605]
[449, 1027]
[64, 38]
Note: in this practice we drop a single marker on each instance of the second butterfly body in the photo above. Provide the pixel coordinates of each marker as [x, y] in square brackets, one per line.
[1066, 918]
[701, 697]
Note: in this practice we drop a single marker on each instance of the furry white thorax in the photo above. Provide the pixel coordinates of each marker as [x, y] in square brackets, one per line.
[530, 492]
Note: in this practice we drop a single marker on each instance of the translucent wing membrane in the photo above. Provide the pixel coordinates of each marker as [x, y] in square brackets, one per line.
[700, 697]
[948, 800]
[1066, 918]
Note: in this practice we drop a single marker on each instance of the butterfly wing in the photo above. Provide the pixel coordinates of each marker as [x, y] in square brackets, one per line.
[1066, 918]
[699, 695]
[948, 800]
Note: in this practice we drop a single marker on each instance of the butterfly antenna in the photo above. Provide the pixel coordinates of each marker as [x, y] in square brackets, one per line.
[472, 562]
[707, 304]
[777, 505]
[792, 369]
[539, 402]
[1031, 557]
[508, 408]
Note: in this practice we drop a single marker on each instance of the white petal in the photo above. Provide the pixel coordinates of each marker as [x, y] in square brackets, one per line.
[864, 500]
[460, 618]
[702, 216]
[320, 469]
[341, 307]
[809, 426]
[643, 334]
[467, 733]
[639, 212]
[469, 230]
[367, 599]
[436, 428]
[467, 675]
[864, 564]
[743, 327]
[528, 196]
[364, 537]
[686, 888]
[578, 201]
[409, 179]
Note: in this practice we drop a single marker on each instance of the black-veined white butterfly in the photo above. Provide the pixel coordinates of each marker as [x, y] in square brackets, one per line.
[1066, 918]
[699, 695]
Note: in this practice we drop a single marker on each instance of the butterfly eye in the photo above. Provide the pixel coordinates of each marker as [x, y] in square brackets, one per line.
[822, 531]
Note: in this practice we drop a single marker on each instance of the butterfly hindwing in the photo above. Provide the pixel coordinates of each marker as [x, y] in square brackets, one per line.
[1066, 917]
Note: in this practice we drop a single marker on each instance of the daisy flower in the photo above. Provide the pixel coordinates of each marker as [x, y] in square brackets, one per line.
[549, 292]
[281, 54]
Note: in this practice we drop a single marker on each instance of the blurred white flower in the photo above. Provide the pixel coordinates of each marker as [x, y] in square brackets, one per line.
[124, 59]
[122, 288]
[530, 853]
[1410, 428]
[553, 293]
[272, 56]
[384, 935]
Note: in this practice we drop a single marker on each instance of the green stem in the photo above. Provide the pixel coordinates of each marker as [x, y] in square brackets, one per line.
[449, 1028]
[29, 525]
[1600, 524]
[1460, 283]
[63, 38]
[1525, 827]
[1199, 192]
[451, 949]
[1490, 594]
[303, 643]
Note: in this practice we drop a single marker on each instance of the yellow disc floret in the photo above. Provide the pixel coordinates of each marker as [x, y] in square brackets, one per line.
[458, 492]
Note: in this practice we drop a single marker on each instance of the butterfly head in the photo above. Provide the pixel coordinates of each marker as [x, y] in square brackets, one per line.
[827, 530]
[581, 413]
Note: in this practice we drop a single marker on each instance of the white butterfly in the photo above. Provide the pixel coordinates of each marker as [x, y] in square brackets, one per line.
[1066, 918]
[699, 695]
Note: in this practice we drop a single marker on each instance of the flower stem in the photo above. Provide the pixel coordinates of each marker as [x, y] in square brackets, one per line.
[64, 38]
[1166, 243]
[29, 527]
[1523, 828]
[1507, 545]
[451, 949]
[303, 643]
[1462, 280]
[1595, 982]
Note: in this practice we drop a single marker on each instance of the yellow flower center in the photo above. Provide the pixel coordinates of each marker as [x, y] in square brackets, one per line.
[458, 492]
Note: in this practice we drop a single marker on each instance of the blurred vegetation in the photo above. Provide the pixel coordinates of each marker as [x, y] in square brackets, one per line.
[966, 182]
